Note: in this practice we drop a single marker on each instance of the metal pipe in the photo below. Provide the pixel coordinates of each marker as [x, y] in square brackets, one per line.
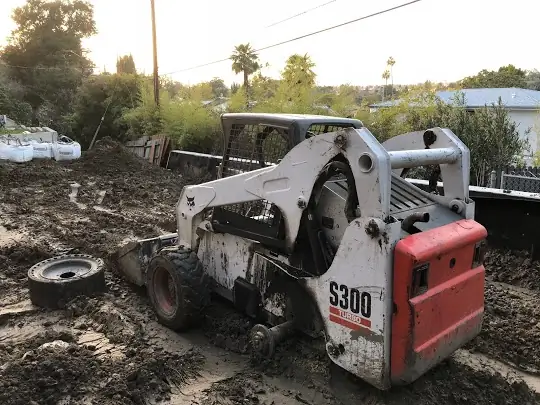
[422, 157]
[408, 222]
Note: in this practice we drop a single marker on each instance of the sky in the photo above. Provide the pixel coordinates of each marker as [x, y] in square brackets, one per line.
[437, 40]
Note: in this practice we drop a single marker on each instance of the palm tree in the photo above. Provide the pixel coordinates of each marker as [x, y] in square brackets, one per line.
[391, 62]
[385, 76]
[244, 59]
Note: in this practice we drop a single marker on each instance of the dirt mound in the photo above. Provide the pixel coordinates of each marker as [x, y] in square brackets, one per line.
[511, 329]
[133, 198]
[513, 267]
[18, 258]
[109, 157]
[47, 375]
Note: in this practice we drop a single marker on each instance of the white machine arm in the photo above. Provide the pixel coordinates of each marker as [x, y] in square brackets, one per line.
[436, 146]
[289, 184]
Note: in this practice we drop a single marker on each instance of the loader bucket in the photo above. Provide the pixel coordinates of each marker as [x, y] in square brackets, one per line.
[133, 257]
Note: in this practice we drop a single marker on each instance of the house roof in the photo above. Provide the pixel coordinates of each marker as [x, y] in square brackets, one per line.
[512, 98]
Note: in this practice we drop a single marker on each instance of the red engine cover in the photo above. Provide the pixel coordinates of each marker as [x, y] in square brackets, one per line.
[438, 297]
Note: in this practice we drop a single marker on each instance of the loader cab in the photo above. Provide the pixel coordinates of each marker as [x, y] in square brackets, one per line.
[253, 141]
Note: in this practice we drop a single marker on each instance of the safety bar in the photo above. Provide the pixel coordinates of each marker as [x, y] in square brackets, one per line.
[422, 157]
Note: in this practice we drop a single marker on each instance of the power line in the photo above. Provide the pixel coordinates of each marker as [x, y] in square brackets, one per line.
[302, 13]
[303, 36]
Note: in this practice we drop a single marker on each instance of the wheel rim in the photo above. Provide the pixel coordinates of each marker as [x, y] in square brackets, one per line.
[164, 291]
[64, 269]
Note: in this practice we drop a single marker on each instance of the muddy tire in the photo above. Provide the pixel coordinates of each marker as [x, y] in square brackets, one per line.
[178, 288]
[55, 281]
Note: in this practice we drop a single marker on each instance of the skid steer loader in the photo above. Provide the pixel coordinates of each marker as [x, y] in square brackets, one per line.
[311, 226]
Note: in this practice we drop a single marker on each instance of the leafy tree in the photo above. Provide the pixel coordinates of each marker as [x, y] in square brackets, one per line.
[506, 76]
[219, 88]
[107, 96]
[298, 81]
[299, 72]
[44, 52]
[533, 79]
[198, 92]
[263, 87]
[171, 87]
[344, 102]
[146, 118]
[191, 125]
[238, 102]
[126, 64]
[234, 88]
[246, 61]
[11, 99]
[492, 137]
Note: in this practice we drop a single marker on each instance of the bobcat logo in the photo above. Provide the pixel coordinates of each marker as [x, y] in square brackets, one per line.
[191, 201]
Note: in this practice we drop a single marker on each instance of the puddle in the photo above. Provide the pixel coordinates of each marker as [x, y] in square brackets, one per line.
[482, 363]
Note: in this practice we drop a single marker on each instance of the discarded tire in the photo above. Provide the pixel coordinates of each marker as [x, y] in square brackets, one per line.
[54, 281]
[177, 287]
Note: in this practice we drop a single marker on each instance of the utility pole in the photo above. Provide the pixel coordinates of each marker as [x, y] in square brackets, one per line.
[154, 42]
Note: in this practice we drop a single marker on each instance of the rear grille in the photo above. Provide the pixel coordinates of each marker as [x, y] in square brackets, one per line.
[404, 196]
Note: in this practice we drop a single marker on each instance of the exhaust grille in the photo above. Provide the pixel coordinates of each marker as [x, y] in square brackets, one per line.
[404, 196]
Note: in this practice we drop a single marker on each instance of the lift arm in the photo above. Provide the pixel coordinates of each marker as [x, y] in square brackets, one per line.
[289, 184]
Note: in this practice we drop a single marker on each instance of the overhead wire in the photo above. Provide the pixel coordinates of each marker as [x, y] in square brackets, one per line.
[302, 13]
[302, 36]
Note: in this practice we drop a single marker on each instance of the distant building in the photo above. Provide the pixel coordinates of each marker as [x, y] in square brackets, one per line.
[523, 107]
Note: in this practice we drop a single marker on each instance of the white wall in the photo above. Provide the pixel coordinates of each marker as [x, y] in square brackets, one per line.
[528, 119]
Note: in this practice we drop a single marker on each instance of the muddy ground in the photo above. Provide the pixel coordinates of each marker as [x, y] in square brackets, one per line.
[109, 349]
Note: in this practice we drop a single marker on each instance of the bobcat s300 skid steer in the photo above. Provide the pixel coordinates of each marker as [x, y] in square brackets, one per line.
[312, 227]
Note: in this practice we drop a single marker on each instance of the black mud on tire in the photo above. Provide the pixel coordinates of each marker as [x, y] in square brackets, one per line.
[178, 288]
[55, 281]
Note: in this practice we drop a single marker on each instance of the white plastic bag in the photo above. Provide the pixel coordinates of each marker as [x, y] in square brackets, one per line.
[21, 153]
[42, 150]
[5, 151]
[66, 149]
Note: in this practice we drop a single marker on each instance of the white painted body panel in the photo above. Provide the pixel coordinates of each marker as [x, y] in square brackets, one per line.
[365, 263]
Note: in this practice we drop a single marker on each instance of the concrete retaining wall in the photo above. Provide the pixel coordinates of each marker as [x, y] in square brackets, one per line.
[194, 164]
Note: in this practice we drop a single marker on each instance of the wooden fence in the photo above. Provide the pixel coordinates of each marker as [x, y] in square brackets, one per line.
[155, 149]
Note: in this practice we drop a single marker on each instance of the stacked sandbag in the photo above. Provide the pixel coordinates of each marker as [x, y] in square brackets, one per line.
[42, 150]
[20, 152]
[66, 149]
[5, 148]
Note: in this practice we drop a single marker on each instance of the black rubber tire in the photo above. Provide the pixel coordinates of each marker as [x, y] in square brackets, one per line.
[182, 308]
[48, 288]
